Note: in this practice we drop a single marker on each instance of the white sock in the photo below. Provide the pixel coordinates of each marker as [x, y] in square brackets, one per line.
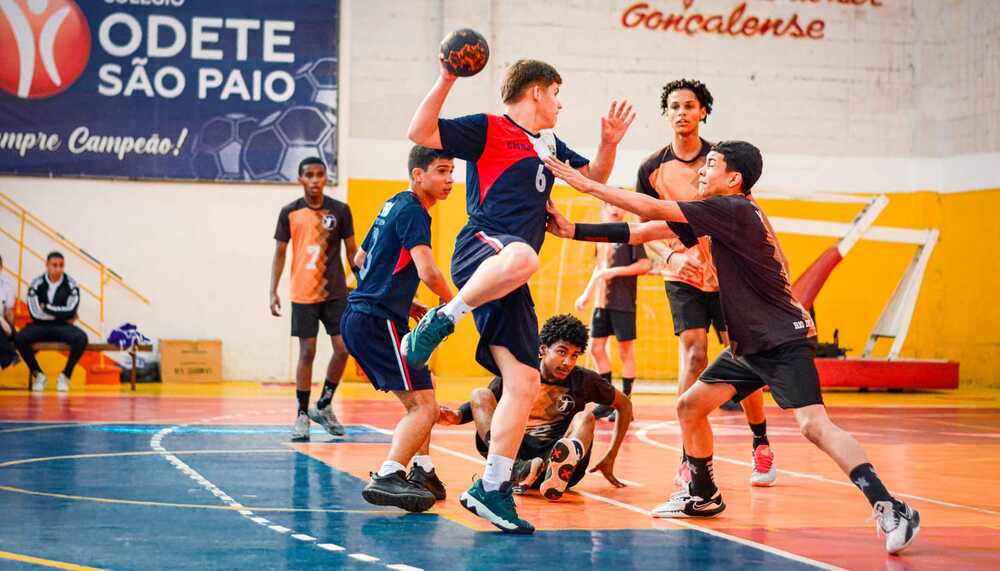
[424, 461]
[456, 308]
[498, 471]
[390, 467]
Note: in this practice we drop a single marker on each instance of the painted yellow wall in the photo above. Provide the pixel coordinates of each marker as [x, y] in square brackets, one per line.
[953, 320]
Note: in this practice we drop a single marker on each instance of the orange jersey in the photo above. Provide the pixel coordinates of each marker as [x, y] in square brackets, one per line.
[662, 175]
[315, 234]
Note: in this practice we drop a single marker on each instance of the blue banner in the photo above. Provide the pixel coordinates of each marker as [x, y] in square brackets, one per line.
[233, 90]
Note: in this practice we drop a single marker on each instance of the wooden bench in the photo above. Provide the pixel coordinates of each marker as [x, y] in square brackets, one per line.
[55, 346]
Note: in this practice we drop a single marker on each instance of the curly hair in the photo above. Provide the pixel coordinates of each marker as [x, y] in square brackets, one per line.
[566, 328]
[700, 91]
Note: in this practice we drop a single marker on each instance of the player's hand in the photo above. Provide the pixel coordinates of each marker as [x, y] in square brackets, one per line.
[569, 174]
[581, 302]
[557, 224]
[417, 310]
[275, 305]
[687, 266]
[446, 76]
[607, 468]
[447, 416]
[616, 123]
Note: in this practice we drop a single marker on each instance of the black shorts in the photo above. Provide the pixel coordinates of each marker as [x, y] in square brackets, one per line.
[789, 370]
[306, 317]
[532, 447]
[508, 322]
[694, 309]
[605, 322]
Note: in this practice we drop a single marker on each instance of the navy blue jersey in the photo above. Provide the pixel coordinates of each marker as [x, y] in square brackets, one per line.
[507, 184]
[389, 277]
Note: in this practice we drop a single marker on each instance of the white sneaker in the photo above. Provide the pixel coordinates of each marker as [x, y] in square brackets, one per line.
[682, 504]
[300, 430]
[899, 526]
[562, 464]
[40, 382]
[62, 385]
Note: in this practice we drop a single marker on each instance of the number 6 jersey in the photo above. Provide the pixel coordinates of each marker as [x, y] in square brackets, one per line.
[316, 233]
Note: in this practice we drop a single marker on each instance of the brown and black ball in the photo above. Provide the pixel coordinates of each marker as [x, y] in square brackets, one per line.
[465, 52]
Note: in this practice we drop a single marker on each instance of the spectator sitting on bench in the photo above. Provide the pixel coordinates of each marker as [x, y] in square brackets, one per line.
[8, 297]
[53, 298]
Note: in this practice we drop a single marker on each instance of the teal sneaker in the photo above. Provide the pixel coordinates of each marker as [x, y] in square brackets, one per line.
[496, 507]
[417, 345]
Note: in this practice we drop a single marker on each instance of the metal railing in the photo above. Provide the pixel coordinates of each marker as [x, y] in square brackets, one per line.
[26, 220]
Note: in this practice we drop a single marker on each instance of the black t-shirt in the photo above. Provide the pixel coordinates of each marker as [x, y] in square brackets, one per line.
[754, 288]
[558, 401]
[622, 290]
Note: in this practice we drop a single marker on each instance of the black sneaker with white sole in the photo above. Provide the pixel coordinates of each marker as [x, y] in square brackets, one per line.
[685, 504]
[395, 490]
[428, 480]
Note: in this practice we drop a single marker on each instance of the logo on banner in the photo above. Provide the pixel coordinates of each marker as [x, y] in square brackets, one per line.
[46, 45]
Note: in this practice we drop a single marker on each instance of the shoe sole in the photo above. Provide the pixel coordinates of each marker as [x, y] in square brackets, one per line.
[680, 514]
[554, 485]
[479, 509]
[300, 438]
[764, 483]
[333, 429]
[410, 502]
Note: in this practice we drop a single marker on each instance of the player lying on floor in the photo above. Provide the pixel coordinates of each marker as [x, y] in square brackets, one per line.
[559, 436]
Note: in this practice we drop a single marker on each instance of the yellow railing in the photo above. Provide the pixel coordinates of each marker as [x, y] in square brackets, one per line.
[107, 275]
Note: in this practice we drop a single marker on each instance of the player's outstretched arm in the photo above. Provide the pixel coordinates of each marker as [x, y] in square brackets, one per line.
[429, 273]
[634, 202]
[623, 418]
[424, 125]
[614, 125]
[616, 232]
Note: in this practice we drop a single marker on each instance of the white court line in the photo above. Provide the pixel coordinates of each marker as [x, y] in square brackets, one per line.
[156, 443]
[643, 436]
[637, 509]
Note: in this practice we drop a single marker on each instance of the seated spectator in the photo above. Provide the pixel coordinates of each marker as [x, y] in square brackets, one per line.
[53, 299]
[8, 297]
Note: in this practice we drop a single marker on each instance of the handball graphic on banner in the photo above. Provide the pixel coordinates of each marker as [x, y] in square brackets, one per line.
[174, 89]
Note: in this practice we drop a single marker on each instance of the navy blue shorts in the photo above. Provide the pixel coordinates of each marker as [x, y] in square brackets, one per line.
[374, 343]
[508, 322]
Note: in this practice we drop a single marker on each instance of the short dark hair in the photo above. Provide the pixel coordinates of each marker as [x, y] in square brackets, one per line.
[743, 158]
[566, 328]
[54, 255]
[524, 73]
[699, 89]
[421, 157]
[310, 161]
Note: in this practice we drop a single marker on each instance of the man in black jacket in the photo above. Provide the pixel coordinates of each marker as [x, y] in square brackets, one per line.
[53, 299]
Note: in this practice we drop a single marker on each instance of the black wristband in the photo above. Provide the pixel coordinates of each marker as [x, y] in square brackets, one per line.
[616, 232]
[465, 413]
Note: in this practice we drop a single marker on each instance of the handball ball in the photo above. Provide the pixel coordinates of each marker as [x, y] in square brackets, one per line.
[464, 52]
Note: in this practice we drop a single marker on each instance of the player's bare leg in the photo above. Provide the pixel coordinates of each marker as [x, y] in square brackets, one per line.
[303, 387]
[322, 413]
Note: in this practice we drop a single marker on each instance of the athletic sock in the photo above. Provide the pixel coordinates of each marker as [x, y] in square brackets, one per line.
[424, 461]
[390, 467]
[498, 471]
[456, 308]
[303, 397]
[865, 478]
[702, 477]
[759, 434]
[627, 385]
[329, 387]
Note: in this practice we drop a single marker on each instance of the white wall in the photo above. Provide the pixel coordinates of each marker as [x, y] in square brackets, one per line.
[903, 97]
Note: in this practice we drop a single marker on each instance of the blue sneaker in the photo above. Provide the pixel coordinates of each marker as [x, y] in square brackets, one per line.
[417, 345]
[496, 507]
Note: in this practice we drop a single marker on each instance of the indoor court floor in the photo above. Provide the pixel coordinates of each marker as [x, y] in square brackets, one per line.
[204, 477]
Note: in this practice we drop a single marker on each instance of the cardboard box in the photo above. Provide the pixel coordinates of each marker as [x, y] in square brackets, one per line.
[191, 361]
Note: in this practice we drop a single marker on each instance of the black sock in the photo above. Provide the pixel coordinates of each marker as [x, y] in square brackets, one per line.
[864, 477]
[627, 385]
[329, 387]
[702, 478]
[759, 434]
[303, 397]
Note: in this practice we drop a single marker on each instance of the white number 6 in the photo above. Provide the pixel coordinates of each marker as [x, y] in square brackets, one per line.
[540, 179]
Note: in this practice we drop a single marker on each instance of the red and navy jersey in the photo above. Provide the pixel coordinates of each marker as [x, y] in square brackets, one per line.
[389, 277]
[507, 183]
